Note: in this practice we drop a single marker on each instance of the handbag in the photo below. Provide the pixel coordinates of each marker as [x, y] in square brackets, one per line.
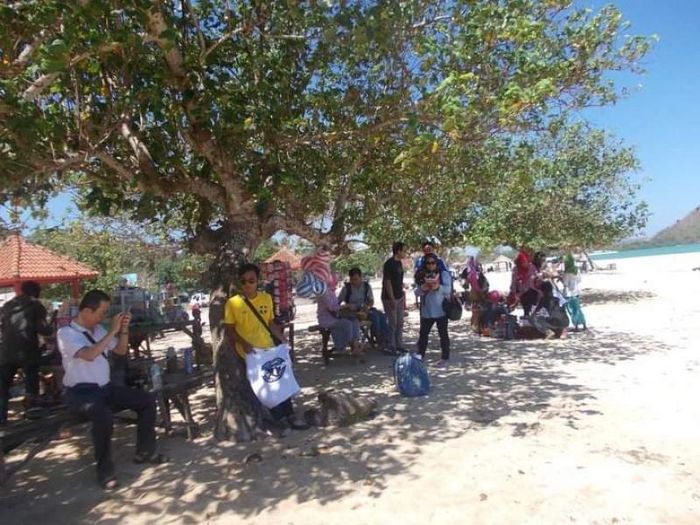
[270, 371]
[271, 376]
[451, 305]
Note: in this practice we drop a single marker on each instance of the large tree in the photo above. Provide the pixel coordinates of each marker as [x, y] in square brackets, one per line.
[233, 120]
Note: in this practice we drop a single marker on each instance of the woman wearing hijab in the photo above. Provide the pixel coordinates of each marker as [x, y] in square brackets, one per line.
[478, 288]
[524, 284]
[434, 286]
[572, 281]
[344, 331]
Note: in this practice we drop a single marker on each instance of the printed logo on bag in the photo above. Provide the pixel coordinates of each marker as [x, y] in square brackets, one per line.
[273, 370]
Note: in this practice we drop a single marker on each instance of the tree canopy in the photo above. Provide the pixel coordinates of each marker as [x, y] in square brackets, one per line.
[230, 121]
[115, 248]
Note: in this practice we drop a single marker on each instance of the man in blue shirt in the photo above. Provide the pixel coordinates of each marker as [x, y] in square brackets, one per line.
[429, 249]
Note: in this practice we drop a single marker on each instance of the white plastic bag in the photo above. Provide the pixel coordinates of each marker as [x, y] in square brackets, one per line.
[271, 376]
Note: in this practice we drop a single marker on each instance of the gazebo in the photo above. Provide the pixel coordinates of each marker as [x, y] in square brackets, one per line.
[22, 261]
[284, 254]
[502, 261]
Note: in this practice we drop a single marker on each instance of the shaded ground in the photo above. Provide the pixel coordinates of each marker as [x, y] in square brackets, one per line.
[496, 427]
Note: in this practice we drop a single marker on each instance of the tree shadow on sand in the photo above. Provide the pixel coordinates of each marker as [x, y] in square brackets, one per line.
[595, 297]
[513, 384]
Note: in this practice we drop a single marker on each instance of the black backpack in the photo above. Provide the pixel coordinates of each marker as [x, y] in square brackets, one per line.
[348, 291]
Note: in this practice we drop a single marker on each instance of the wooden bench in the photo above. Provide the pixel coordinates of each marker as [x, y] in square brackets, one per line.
[325, 337]
[40, 432]
[327, 353]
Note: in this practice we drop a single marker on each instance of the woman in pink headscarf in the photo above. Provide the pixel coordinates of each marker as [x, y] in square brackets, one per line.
[344, 331]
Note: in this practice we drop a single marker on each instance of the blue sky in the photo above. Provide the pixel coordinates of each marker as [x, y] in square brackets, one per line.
[661, 118]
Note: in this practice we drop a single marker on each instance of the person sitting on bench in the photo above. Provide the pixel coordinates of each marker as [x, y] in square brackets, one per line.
[356, 296]
[84, 345]
[344, 331]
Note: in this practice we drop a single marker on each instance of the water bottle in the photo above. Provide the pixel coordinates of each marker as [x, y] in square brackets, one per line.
[500, 329]
[171, 360]
[189, 365]
[156, 377]
[510, 329]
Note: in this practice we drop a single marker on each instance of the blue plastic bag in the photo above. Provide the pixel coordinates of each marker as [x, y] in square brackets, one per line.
[411, 376]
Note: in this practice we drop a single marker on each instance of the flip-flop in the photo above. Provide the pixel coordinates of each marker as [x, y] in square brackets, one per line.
[153, 459]
[109, 484]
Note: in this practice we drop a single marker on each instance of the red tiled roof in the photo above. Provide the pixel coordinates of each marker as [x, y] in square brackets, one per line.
[22, 261]
[284, 254]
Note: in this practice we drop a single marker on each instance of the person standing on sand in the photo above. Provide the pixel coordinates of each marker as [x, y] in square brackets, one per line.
[393, 297]
[22, 321]
[249, 332]
[434, 287]
[572, 281]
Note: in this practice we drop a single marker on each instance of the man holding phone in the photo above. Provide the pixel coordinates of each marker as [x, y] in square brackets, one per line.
[84, 346]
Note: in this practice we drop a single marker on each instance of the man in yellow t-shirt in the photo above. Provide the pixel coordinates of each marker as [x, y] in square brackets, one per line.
[248, 332]
[246, 325]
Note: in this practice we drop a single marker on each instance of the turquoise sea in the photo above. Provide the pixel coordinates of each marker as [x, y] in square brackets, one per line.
[646, 252]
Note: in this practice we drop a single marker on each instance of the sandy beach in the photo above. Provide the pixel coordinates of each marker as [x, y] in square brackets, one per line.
[600, 428]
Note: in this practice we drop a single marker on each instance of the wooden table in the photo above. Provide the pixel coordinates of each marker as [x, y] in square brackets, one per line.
[141, 333]
[176, 388]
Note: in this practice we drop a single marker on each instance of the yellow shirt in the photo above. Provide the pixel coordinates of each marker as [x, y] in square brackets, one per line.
[238, 314]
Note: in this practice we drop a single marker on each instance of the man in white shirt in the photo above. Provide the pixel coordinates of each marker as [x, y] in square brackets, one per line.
[84, 345]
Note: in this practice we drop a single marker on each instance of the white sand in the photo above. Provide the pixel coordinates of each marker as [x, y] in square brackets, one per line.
[601, 428]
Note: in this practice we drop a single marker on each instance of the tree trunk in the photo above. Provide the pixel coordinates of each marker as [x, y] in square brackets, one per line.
[239, 414]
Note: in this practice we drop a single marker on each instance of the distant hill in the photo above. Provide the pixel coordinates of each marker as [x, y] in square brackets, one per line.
[684, 231]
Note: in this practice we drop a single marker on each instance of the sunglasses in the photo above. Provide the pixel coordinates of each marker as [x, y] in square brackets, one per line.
[430, 262]
[249, 281]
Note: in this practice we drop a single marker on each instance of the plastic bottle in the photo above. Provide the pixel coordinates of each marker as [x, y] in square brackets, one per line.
[156, 377]
[510, 331]
[501, 327]
[189, 365]
[171, 360]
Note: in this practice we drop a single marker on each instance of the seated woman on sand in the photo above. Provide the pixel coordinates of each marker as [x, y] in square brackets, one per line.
[550, 317]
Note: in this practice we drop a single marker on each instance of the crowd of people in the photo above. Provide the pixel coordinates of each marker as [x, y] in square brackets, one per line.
[85, 344]
[547, 292]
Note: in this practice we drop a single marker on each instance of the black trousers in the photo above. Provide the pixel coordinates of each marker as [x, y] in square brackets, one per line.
[96, 404]
[426, 324]
[529, 300]
[7, 376]
[283, 410]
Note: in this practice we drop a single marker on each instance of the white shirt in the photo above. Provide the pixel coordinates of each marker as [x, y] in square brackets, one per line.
[71, 339]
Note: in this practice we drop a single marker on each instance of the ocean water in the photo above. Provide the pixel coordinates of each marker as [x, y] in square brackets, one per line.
[647, 252]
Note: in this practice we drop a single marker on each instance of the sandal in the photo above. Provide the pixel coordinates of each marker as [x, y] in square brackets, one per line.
[109, 484]
[297, 424]
[153, 459]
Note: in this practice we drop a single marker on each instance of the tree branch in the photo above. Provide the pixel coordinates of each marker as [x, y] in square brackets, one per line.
[173, 58]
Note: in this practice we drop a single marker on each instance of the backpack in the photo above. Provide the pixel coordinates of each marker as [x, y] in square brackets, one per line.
[411, 376]
[348, 291]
